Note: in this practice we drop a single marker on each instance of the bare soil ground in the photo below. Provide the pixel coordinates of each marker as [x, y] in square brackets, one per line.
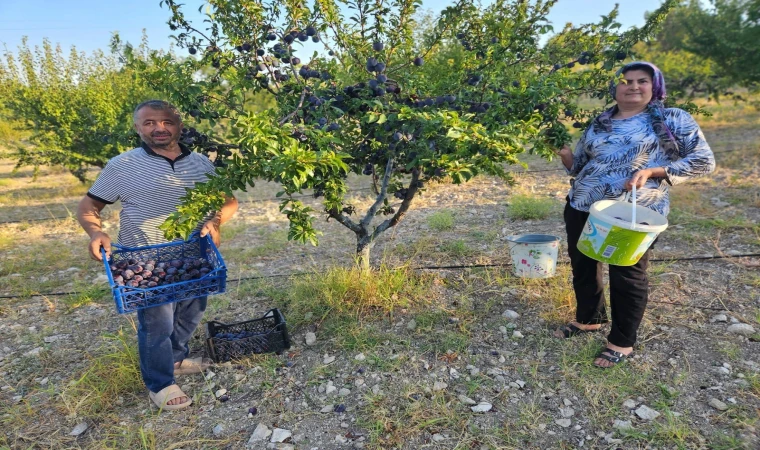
[400, 375]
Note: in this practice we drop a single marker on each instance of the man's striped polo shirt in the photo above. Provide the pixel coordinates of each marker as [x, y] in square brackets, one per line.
[150, 187]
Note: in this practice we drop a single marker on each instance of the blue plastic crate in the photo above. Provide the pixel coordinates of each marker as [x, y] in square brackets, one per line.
[129, 299]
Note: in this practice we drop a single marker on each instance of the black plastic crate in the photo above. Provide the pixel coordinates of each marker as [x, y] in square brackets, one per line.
[268, 334]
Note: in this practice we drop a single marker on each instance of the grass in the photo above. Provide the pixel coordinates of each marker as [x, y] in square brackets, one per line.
[86, 294]
[394, 420]
[265, 244]
[339, 299]
[441, 220]
[457, 248]
[107, 376]
[529, 207]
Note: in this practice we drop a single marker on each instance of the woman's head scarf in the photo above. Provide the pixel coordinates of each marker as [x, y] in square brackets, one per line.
[655, 108]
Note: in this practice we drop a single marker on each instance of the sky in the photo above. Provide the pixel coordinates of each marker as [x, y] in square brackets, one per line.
[89, 24]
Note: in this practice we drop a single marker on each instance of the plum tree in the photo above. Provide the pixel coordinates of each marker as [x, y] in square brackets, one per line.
[464, 96]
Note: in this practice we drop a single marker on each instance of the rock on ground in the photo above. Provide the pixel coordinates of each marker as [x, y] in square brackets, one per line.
[646, 413]
[280, 434]
[742, 329]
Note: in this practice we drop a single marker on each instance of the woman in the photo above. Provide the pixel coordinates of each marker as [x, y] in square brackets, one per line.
[636, 142]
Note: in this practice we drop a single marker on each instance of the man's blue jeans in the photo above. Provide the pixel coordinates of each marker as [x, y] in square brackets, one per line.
[162, 336]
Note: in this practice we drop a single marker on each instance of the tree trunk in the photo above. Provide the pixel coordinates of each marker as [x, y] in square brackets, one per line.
[363, 247]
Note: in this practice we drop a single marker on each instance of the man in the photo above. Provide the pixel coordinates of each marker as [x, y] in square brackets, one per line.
[149, 181]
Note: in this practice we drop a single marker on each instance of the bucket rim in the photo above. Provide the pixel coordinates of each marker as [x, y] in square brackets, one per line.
[596, 211]
[549, 238]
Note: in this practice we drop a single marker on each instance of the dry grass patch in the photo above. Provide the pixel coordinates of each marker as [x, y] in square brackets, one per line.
[395, 421]
[339, 301]
[108, 376]
[530, 207]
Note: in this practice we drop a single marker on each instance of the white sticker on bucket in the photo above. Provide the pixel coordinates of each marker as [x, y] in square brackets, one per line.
[596, 232]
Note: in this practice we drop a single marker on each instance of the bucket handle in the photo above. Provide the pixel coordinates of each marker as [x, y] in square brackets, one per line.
[633, 202]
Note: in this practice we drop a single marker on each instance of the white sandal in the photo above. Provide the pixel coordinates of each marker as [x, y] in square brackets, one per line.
[167, 394]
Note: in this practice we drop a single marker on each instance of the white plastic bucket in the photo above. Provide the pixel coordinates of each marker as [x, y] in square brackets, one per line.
[614, 235]
[533, 255]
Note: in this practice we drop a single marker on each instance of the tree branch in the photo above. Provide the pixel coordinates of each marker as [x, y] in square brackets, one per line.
[300, 105]
[393, 221]
[346, 221]
[380, 196]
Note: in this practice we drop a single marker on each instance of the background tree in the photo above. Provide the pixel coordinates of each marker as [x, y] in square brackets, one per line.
[380, 100]
[76, 110]
[726, 33]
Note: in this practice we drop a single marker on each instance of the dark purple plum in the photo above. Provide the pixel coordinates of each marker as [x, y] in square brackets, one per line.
[176, 263]
[136, 268]
[113, 267]
[169, 279]
[181, 272]
[155, 279]
[133, 283]
[152, 284]
[203, 271]
[127, 274]
[152, 262]
[186, 277]
[118, 279]
[171, 271]
[146, 273]
[138, 278]
[194, 273]
[122, 264]
[161, 265]
[132, 262]
[187, 266]
[149, 266]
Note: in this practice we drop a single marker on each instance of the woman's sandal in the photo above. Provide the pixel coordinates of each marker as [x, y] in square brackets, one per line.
[167, 394]
[571, 330]
[612, 356]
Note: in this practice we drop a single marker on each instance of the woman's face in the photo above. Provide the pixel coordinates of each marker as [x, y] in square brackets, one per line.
[635, 90]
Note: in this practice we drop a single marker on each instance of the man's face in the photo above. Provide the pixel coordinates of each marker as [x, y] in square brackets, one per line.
[159, 128]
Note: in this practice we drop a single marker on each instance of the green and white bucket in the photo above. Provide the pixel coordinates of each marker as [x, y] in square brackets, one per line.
[533, 255]
[619, 233]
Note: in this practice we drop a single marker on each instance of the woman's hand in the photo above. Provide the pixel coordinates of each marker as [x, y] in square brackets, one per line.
[640, 177]
[566, 155]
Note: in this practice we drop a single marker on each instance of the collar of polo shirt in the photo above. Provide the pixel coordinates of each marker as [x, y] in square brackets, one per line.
[183, 148]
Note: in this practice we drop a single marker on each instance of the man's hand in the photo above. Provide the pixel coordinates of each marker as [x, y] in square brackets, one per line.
[212, 227]
[100, 239]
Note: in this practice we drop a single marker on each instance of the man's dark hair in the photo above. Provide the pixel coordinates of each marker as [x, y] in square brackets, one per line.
[158, 105]
[643, 67]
